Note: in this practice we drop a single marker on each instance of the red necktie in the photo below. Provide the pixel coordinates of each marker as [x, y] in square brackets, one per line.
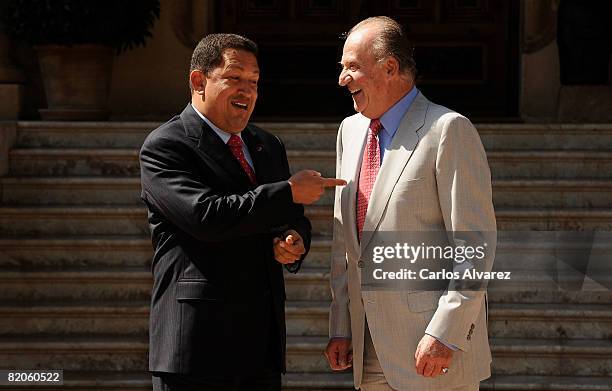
[367, 175]
[235, 144]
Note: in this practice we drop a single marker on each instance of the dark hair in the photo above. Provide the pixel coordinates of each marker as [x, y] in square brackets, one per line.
[391, 41]
[208, 53]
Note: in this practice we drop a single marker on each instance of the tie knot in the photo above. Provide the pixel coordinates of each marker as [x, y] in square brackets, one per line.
[234, 141]
[375, 126]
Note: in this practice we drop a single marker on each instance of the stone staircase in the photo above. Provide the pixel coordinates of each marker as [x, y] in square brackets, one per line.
[75, 256]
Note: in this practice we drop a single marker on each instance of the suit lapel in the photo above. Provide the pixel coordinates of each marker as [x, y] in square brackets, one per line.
[352, 156]
[396, 158]
[211, 144]
[214, 149]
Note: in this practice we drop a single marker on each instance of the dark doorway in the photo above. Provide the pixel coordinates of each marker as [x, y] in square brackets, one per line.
[466, 52]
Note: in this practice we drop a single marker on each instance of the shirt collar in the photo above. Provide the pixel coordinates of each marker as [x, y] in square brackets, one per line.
[393, 117]
[225, 136]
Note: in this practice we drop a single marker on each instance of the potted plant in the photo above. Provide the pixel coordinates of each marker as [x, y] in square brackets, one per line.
[76, 41]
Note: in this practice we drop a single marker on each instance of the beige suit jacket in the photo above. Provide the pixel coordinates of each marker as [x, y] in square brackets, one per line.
[434, 177]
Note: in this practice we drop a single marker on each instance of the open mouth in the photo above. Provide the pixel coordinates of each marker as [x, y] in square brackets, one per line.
[240, 105]
[355, 93]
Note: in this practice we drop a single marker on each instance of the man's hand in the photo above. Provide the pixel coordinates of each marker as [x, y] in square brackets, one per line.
[289, 249]
[307, 186]
[431, 356]
[339, 353]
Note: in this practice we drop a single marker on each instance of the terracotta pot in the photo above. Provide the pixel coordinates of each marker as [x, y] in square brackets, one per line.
[77, 81]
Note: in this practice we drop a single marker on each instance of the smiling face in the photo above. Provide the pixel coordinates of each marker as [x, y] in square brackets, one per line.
[230, 92]
[369, 81]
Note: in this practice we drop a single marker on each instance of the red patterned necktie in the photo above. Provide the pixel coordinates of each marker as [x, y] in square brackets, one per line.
[235, 144]
[367, 175]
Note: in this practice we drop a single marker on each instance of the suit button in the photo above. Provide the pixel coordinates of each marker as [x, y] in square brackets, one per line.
[472, 327]
[469, 337]
[360, 264]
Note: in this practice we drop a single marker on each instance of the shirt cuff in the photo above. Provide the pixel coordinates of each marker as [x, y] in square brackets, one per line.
[448, 345]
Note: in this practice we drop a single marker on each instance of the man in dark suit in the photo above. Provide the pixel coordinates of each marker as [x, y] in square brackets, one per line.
[225, 215]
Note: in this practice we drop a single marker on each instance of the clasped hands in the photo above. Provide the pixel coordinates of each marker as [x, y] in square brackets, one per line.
[289, 248]
[431, 355]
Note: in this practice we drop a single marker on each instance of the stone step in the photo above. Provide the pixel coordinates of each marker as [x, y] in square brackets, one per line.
[304, 318]
[98, 380]
[537, 321]
[132, 220]
[546, 383]
[33, 253]
[123, 283]
[52, 134]
[313, 285]
[105, 220]
[70, 190]
[304, 354]
[120, 318]
[99, 353]
[551, 298]
[342, 381]
[550, 321]
[77, 161]
[543, 219]
[141, 381]
[108, 284]
[106, 251]
[36, 134]
[124, 162]
[40, 134]
[67, 220]
[546, 136]
[127, 353]
[76, 251]
[552, 193]
[82, 191]
[544, 357]
[535, 164]
[126, 191]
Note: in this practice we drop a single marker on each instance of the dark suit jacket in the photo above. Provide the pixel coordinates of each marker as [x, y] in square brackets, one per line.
[217, 287]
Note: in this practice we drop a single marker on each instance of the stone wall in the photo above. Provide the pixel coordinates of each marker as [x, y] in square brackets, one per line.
[543, 98]
[151, 82]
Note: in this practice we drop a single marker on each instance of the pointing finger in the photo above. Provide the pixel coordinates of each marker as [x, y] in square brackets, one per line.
[331, 182]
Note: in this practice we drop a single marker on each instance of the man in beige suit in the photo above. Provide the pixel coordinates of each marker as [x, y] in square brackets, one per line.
[411, 166]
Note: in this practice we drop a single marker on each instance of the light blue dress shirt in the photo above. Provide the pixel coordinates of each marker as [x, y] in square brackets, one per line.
[392, 119]
[225, 136]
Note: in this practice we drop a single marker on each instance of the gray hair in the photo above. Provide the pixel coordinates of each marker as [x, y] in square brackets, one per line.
[390, 42]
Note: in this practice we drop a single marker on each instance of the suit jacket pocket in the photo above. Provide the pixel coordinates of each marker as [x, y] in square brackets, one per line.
[407, 184]
[409, 180]
[423, 301]
[190, 290]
